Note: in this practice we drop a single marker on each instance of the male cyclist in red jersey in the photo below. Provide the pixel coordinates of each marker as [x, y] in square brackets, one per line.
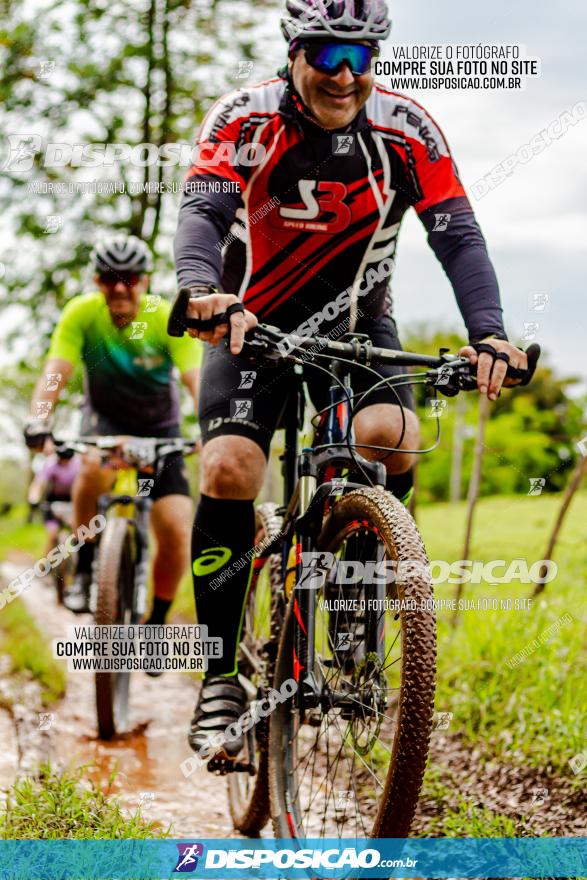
[309, 238]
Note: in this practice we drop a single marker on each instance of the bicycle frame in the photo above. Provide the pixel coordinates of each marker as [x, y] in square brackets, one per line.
[136, 510]
[308, 483]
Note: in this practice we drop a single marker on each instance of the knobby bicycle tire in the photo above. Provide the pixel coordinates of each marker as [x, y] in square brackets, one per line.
[250, 811]
[409, 751]
[115, 575]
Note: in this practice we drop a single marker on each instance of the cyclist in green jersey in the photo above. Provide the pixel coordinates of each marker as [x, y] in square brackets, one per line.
[119, 333]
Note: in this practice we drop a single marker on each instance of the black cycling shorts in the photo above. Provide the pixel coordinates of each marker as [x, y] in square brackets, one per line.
[225, 380]
[173, 478]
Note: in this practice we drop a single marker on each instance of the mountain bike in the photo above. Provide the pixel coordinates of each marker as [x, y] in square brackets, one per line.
[351, 617]
[121, 559]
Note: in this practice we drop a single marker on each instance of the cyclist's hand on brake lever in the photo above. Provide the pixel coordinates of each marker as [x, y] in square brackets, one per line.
[205, 307]
[491, 371]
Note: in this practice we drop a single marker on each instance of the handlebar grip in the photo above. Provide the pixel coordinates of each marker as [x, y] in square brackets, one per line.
[178, 321]
[532, 353]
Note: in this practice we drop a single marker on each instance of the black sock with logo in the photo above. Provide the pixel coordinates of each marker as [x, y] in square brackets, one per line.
[222, 541]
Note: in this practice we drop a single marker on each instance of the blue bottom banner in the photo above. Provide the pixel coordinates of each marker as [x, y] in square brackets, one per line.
[287, 859]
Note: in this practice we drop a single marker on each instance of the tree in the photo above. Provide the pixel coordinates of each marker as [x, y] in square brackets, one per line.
[103, 73]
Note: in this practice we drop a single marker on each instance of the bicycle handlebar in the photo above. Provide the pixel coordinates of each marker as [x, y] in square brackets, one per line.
[454, 373]
[135, 451]
[262, 344]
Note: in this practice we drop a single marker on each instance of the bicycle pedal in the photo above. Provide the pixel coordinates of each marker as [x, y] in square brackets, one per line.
[221, 766]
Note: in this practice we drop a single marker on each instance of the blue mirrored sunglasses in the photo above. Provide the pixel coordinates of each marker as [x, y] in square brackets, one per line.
[329, 57]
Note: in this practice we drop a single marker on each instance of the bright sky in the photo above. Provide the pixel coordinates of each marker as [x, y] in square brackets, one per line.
[535, 222]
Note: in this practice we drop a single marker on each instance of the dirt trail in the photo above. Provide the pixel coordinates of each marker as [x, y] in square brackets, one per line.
[148, 757]
[538, 803]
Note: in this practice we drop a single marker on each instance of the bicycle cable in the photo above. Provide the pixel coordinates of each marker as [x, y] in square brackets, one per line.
[413, 379]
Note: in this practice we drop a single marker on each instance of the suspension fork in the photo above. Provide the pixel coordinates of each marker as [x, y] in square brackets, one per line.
[332, 429]
[304, 592]
[375, 617]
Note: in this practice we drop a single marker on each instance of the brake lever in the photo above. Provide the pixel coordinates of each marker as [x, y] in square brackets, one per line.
[458, 374]
[260, 347]
[452, 376]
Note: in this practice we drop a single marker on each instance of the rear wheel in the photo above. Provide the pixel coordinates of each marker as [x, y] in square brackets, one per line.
[248, 795]
[115, 582]
[353, 766]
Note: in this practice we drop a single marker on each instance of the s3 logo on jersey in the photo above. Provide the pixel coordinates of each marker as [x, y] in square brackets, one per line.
[324, 209]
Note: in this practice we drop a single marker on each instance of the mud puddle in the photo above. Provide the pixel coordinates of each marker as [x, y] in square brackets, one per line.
[147, 758]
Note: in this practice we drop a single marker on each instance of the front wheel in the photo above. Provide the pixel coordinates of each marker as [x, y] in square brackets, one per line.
[115, 583]
[248, 795]
[352, 766]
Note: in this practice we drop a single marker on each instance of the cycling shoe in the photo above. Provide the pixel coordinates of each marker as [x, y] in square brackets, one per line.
[221, 702]
[76, 595]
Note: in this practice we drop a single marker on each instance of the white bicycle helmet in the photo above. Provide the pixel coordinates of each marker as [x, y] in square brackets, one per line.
[338, 19]
[122, 253]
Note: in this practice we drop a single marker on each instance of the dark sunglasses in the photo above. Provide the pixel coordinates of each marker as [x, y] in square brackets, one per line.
[110, 279]
[329, 57]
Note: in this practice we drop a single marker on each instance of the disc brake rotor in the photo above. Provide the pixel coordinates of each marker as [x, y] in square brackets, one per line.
[368, 683]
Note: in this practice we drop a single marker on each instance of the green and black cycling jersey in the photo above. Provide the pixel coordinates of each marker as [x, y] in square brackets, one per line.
[128, 370]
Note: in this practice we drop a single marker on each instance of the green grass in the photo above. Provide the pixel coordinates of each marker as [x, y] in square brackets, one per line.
[461, 817]
[535, 712]
[18, 535]
[57, 805]
[30, 651]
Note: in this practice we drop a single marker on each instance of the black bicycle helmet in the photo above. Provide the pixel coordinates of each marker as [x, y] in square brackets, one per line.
[338, 19]
[122, 253]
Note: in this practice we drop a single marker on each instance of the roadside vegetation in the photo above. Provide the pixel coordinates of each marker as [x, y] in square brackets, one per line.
[66, 805]
[20, 638]
[526, 708]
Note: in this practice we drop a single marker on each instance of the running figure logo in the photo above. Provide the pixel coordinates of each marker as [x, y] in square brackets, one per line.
[137, 329]
[145, 487]
[187, 861]
[241, 409]
[537, 484]
[343, 144]
[52, 381]
[247, 378]
[530, 330]
[315, 567]
[23, 149]
[441, 222]
[344, 641]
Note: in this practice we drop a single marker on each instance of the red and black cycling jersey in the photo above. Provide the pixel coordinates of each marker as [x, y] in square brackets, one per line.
[288, 215]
